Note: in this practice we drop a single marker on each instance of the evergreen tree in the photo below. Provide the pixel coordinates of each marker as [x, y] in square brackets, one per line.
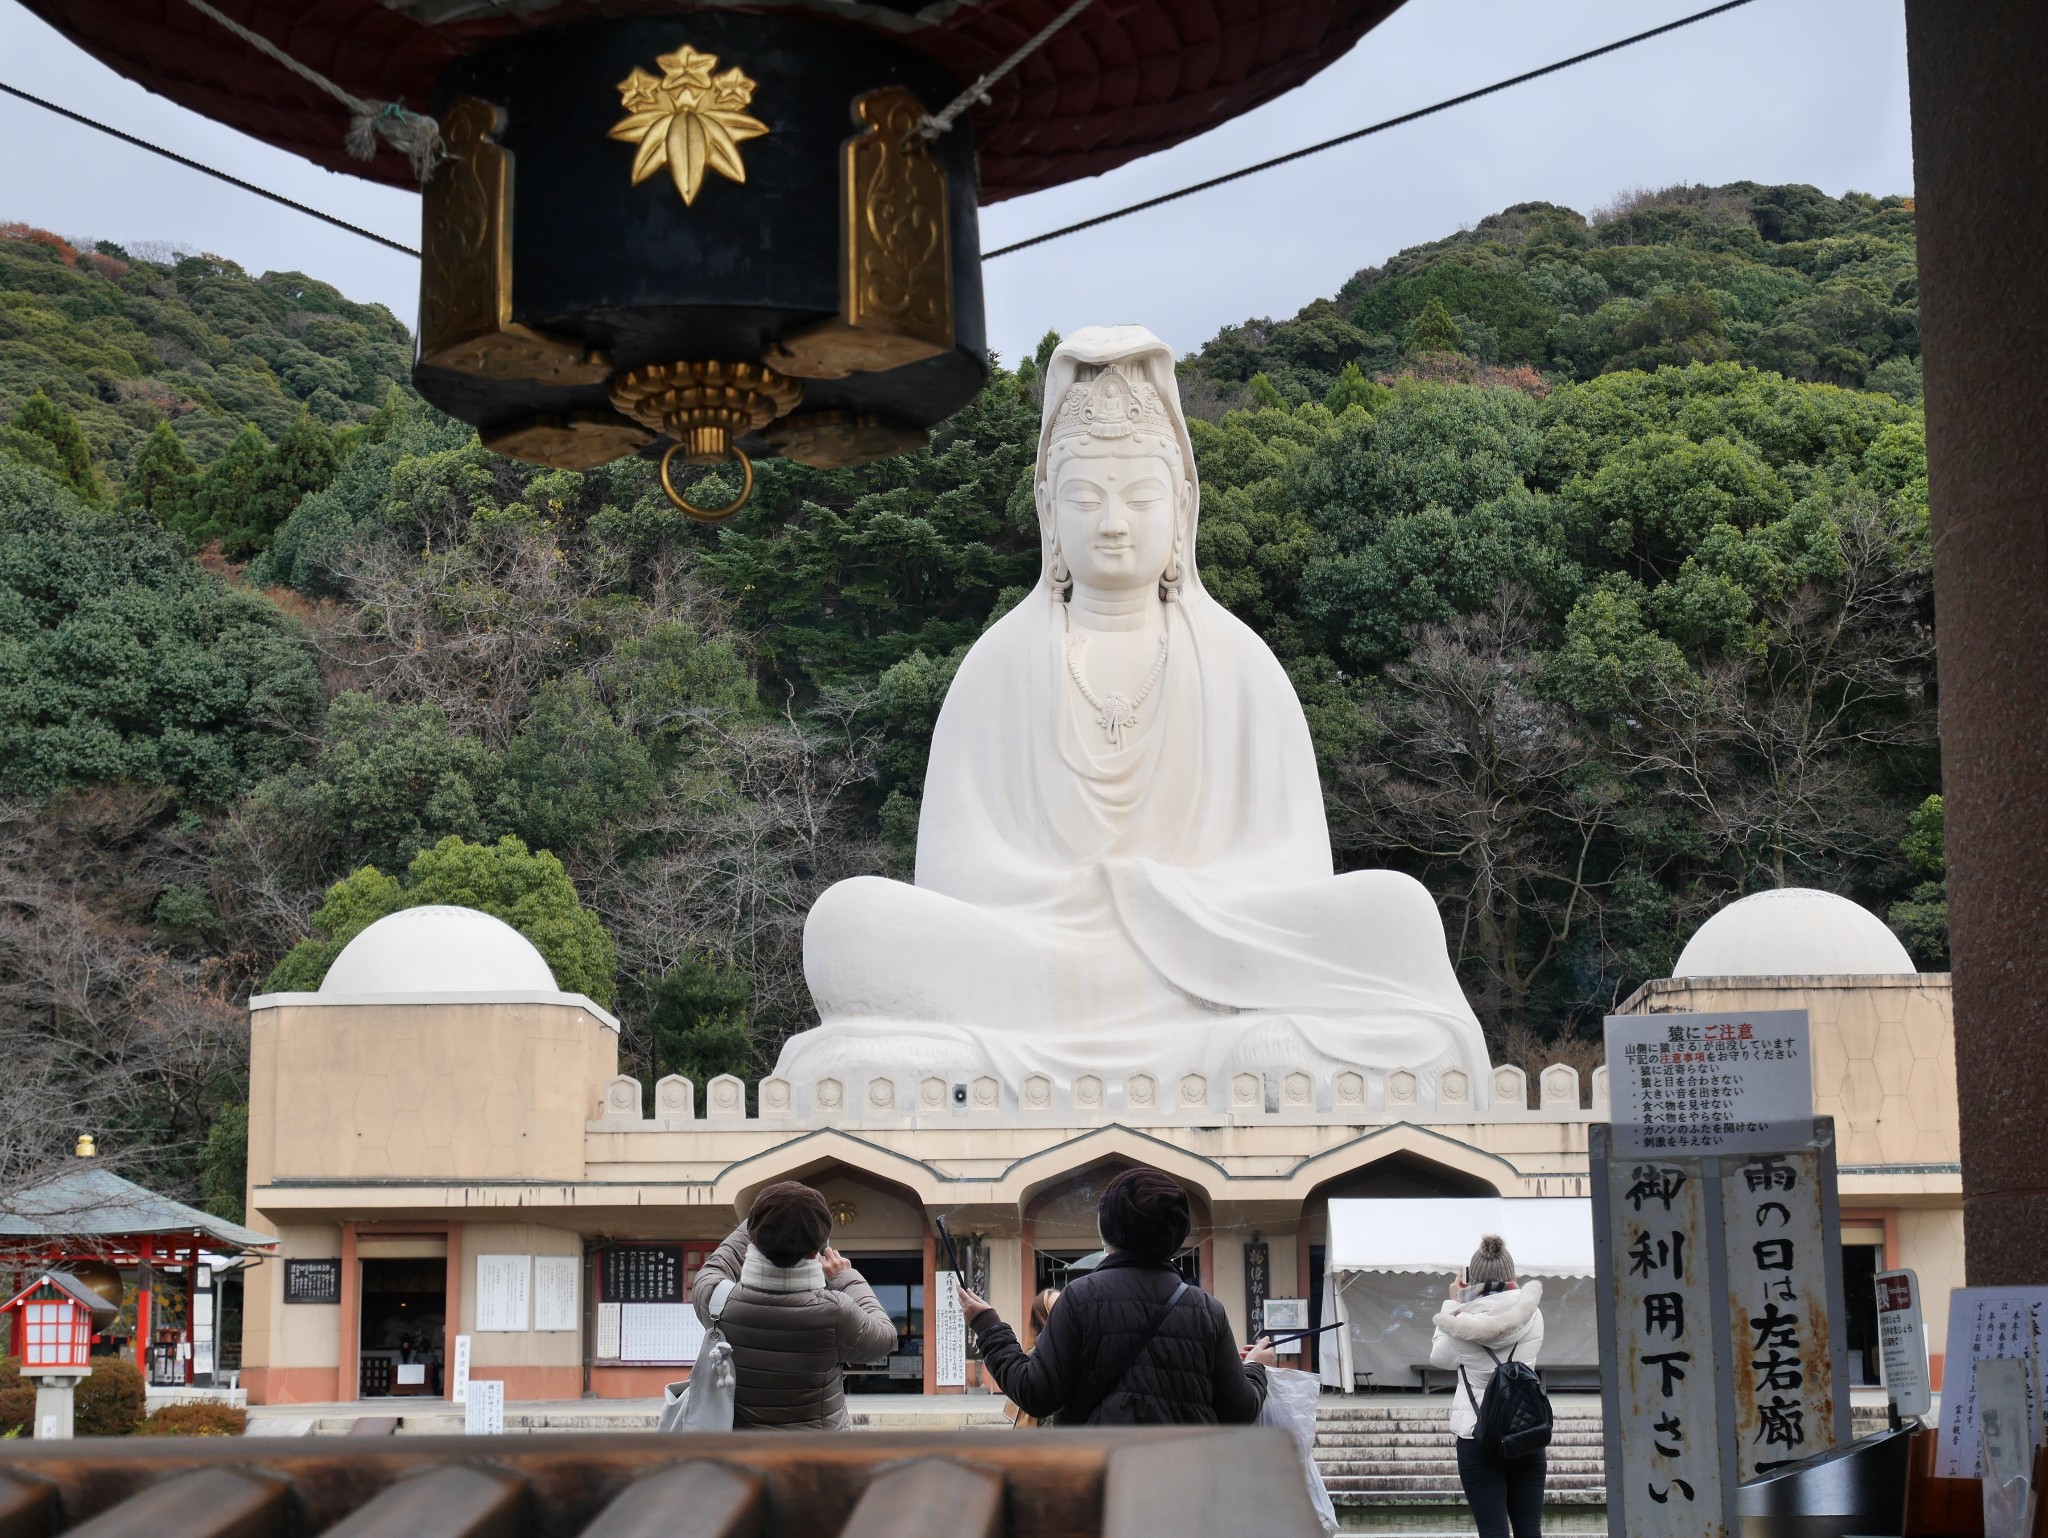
[47, 436]
[227, 492]
[1354, 389]
[161, 486]
[695, 1019]
[1434, 330]
[304, 460]
[528, 890]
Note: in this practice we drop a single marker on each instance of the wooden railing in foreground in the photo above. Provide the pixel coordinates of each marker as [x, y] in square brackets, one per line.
[1170, 1482]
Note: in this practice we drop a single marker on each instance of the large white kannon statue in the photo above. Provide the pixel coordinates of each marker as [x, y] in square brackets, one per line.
[1122, 864]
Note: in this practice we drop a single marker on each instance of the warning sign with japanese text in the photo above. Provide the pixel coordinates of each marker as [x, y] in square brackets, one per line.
[1707, 1083]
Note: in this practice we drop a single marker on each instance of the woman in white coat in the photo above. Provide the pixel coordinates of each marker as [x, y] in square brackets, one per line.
[1489, 1311]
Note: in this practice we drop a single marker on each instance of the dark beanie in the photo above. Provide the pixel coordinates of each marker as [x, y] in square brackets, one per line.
[1145, 1214]
[789, 1222]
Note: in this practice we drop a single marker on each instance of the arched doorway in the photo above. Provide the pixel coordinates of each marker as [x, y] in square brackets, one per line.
[1397, 1174]
[1059, 1227]
[881, 1227]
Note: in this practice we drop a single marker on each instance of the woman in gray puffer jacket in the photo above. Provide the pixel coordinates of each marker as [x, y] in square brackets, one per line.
[797, 1312]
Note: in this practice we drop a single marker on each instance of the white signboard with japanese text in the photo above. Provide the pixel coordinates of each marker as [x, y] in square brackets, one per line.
[1984, 1324]
[1902, 1343]
[555, 1291]
[949, 1337]
[483, 1413]
[503, 1288]
[659, 1333]
[1708, 1083]
[458, 1372]
[610, 1332]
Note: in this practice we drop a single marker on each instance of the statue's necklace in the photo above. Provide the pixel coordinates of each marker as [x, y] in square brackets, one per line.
[1119, 713]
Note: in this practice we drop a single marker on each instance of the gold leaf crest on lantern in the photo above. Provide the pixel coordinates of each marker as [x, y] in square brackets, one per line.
[687, 119]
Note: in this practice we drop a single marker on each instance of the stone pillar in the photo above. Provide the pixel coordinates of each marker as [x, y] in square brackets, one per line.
[1980, 171]
[53, 1407]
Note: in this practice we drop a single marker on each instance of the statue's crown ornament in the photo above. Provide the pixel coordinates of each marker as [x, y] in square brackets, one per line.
[1111, 404]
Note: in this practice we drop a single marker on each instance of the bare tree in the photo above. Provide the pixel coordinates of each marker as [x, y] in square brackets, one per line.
[1473, 778]
[741, 848]
[101, 1029]
[1779, 753]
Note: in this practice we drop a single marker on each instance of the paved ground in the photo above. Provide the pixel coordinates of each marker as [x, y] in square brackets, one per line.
[432, 1417]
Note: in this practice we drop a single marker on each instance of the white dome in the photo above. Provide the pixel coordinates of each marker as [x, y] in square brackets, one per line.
[1793, 932]
[438, 950]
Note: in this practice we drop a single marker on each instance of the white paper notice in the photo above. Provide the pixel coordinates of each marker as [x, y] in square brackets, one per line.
[458, 1372]
[1902, 1343]
[1708, 1083]
[411, 1375]
[502, 1286]
[950, 1337]
[484, 1413]
[1984, 1323]
[659, 1332]
[607, 1347]
[554, 1291]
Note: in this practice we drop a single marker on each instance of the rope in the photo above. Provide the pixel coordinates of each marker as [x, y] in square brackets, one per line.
[414, 136]
[1382, 127]
[205, 170]
[935, 124]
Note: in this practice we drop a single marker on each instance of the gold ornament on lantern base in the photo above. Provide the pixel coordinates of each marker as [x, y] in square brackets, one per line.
[704, 406]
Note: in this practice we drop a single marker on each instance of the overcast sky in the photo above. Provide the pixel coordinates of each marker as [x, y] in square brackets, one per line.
[1778, 91]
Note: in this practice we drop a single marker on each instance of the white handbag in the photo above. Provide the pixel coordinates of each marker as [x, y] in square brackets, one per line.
[704, 1400]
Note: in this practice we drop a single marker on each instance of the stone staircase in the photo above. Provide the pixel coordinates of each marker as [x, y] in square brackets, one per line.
[1396, 1451]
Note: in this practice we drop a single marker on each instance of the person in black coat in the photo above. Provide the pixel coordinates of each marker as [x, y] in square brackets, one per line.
[1128, 1344]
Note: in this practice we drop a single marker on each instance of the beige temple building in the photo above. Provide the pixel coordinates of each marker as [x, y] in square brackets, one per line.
[443, 1145]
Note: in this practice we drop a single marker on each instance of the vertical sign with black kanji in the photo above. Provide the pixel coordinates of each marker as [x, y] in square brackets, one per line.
[1779, 1318]
[1258, 1286]
[1668, 1476]
[1714, 1149]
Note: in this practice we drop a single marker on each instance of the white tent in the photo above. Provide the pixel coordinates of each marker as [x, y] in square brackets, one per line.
[1389, 1263]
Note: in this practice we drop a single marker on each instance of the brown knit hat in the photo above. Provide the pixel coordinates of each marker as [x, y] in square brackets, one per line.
[789, 1222]
[1145, 1213]
[1491, 1262]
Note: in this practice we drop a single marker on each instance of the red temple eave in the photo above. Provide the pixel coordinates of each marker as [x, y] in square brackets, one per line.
[1124, 79]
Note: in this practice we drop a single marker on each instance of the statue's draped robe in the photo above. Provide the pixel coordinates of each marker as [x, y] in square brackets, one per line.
[1166, 907]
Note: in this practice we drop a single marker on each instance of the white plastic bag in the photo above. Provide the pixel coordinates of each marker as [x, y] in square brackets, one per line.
[1291, 1404]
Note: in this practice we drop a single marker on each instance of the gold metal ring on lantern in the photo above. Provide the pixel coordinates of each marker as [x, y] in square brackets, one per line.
[704, 406]
[710, 515]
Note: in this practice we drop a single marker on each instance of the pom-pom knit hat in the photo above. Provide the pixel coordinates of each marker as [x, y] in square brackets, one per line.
[1491, 1262]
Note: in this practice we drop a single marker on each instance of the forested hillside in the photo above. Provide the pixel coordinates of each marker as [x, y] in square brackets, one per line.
[1597, 551]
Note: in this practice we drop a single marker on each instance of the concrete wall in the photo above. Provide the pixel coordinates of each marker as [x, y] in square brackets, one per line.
[291, 1353]
[471, 1089]
[534, 1364]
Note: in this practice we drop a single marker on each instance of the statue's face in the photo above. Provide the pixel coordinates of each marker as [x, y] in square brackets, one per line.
[1114, 512]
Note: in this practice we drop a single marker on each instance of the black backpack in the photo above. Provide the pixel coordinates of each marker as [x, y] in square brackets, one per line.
[1514, 1419]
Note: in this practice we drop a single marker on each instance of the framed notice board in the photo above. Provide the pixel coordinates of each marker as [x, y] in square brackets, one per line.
[312, 1281]
[644, 1317]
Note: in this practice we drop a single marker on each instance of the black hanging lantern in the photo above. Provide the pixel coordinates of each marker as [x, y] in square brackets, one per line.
[702, 232]
[718, 235]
